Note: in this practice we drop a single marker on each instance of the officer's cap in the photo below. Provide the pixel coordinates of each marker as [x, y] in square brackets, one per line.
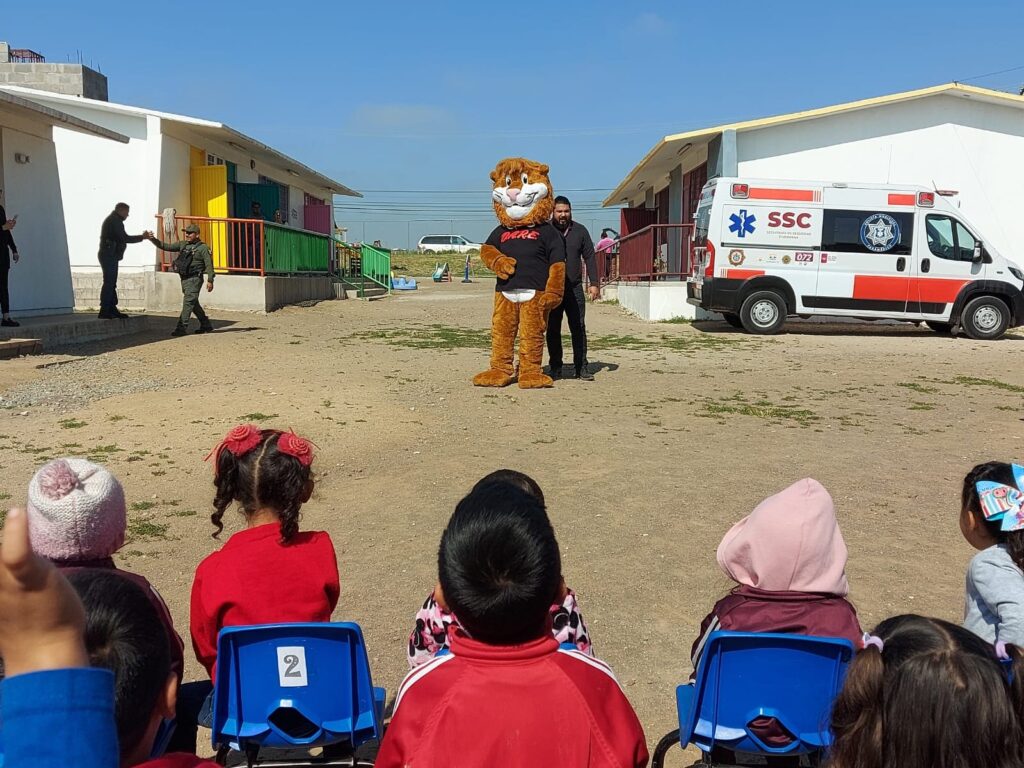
[192, 229]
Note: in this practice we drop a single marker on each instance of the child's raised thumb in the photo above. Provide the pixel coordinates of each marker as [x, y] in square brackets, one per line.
[16, 549]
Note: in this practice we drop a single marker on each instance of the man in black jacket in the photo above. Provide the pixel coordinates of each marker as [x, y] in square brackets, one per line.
[579, 249]
[8, 250]
[113, 242]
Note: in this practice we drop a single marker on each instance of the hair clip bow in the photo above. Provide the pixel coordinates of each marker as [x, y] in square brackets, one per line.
[239, 441]
[299, 447]
[1003, 503]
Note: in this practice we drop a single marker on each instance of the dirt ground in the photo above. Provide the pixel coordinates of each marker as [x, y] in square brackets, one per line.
[683, 431]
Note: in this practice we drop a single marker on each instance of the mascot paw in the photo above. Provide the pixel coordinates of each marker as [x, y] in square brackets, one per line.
[493, 378]
[549, 301]
[535, 381]
[504, 267]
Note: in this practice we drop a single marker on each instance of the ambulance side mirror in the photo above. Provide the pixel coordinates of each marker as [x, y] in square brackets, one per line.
[978, 251]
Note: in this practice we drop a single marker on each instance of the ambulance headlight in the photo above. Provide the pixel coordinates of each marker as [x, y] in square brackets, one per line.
[1017, 273]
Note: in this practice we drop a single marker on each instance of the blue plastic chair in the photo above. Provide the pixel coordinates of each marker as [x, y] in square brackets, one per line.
[290, 686]
[746, 675]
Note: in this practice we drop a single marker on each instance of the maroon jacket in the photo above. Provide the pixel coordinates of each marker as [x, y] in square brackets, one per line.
[748, 609]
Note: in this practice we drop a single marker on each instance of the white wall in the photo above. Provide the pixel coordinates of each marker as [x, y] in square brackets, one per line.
[175, 180]
[659, 302]
[970, 146]
[97, 173]
[40, 283]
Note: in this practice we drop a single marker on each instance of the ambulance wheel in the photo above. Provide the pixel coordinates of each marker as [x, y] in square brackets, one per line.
[939, 327]
[733, 320]
[985, 317]
[763, 312]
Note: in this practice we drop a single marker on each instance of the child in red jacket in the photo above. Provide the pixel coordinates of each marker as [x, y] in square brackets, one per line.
[267, 573]
[505, 692]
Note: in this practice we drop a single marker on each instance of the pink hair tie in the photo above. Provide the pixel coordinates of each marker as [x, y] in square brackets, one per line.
[1001, 652]
[874, 640]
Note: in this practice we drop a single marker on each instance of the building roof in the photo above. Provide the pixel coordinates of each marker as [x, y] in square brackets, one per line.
[206, 128]
[15, 104]
[663, 156]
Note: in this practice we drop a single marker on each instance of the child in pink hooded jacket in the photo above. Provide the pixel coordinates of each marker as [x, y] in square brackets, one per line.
[788, 559]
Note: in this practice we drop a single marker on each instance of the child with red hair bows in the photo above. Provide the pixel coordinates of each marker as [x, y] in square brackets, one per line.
[269, 572]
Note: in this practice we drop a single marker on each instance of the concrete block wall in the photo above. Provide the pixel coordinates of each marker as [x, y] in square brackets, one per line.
[131, 290]
[67, 79]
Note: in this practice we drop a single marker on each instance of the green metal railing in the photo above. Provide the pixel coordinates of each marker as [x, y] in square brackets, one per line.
[375, 265]
[292, 251]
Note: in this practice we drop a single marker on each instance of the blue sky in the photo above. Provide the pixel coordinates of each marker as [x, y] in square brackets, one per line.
[421, 99]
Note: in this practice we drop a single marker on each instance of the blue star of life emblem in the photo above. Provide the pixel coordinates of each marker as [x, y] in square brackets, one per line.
[742, 223]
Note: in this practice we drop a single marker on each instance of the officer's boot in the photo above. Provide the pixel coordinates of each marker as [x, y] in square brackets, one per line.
[179, 330]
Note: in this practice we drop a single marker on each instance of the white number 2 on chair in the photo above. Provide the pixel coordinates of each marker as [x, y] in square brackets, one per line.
[291, 666]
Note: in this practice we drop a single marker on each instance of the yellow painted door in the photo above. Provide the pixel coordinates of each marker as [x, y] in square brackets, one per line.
[210, 199]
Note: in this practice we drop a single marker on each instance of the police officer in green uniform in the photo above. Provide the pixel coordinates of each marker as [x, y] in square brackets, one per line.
[193, 261]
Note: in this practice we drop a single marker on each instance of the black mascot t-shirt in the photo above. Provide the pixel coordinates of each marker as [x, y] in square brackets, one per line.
[534, 249]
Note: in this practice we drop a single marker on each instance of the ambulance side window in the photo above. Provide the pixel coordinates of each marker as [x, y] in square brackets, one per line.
[852, 231]
[939, 230]
[964, 243]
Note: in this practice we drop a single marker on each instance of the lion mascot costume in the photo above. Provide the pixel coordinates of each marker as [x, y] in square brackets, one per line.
[528, 255]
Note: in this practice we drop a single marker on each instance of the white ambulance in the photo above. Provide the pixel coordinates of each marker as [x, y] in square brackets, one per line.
[764, 250]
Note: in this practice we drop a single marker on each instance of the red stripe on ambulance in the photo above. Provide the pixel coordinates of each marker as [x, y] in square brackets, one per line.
[743, 274]
[766, 193]
[899, 198]
[934, 290]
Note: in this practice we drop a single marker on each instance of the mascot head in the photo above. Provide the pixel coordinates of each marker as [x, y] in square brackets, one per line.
[522, 192]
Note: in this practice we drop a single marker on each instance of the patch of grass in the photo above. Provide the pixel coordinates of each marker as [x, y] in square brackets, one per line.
[4, 496]
[184, 513]
[147, 530]
[33, 450]
[921, 406]
[677, 321]
[973, 381]
[116, 417]
[159, 473]
[1007, 408]
[142, 506]
[434, 336]
[762, 410]
[257, 416]
[916, 387]
[102, 453]
[71, 423]
[325, 404]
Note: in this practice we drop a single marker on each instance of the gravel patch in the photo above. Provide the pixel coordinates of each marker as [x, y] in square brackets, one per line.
[72, 385]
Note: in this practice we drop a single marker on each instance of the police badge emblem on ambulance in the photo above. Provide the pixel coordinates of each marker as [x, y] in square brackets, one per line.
[879, 232]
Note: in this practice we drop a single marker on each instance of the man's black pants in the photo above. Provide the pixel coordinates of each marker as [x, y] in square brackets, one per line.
[108, 293]
[574, 307]
[5, 271]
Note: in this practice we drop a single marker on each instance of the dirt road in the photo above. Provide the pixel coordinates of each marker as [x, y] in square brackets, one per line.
[682, 433]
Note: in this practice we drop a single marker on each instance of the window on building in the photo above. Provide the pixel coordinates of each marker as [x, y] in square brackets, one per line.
[212, 159]
[846, 231]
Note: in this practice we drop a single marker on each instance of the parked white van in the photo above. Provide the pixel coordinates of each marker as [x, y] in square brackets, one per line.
[445, 244]
[764, 250]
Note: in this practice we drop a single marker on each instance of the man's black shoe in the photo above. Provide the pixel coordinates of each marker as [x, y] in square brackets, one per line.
[8, 323]
[205, 329]
[179, 331]
[555, 371]
[584, 374]
[120, 315]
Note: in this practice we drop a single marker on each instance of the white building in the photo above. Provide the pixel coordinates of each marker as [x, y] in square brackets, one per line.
[206, 171]
[949, 137]
[40, 283]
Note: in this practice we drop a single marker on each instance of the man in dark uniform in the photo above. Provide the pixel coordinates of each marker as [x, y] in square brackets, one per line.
[8, 250]
[193, 261]
[579, 249]
[113, 242]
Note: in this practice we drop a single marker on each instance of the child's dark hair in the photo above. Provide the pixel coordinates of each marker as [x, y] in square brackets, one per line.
[936, 696]
[262, 477]
[124, 634]
[997, 472]
[499, 564]
[520, 480]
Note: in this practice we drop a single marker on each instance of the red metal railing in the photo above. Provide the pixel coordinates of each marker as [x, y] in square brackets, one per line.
[645, 255]
[237, 244]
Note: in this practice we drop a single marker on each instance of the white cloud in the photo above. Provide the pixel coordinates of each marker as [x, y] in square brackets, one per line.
[400, 118]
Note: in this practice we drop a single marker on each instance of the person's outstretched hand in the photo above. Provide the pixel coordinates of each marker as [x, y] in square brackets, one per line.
[41, 618]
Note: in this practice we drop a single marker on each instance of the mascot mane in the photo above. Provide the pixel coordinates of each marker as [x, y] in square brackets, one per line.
[522, 193]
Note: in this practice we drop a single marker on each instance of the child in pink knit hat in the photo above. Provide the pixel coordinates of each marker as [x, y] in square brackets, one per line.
[77, 518]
